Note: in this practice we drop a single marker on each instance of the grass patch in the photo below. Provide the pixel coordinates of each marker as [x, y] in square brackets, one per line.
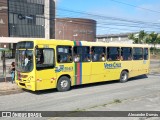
[117, 101]
[78, 110]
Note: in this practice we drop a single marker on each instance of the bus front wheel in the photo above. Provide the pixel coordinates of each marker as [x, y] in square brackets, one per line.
[124, 76]
[63, 84]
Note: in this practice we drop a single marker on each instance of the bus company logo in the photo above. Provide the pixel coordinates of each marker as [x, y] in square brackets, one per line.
[63, 69]
[112, 65]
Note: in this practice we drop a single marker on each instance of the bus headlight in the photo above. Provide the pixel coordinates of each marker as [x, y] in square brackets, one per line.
[30, 78]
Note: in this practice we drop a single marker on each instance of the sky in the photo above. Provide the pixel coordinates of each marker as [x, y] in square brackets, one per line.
[111, 15]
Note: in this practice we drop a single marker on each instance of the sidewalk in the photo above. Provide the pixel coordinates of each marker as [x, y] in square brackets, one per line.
[7, 87]
[8, 64]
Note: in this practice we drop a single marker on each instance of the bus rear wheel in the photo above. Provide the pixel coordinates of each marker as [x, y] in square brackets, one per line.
[124, 76]
[63, 84]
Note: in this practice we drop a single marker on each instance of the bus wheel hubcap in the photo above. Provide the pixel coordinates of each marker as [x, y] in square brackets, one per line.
[64, 83]
[124, 77]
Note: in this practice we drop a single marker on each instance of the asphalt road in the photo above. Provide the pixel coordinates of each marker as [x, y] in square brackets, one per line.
[155, 64]
[139, 94]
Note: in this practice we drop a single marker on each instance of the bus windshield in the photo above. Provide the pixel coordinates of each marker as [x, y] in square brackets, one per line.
[24, 60]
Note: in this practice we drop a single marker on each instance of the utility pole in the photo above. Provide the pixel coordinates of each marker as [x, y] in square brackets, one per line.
[4, 65]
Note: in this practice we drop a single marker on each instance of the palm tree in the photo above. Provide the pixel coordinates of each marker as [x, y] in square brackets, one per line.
[154, 39]
[139, 37]
[142, 37]
[132, 37]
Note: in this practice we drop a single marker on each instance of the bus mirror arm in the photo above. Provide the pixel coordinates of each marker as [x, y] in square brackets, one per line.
[35, 53]
[35, 50]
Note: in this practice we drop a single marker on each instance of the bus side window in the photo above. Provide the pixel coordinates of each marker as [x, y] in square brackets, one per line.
[48, 59]
[40, 56]
[64, 54]
[98, 54]
[126, 53]
[81, 53]
[113, 53]
[137, 53]
[145, 53]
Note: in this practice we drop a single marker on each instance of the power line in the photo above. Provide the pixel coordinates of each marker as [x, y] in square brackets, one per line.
[102, 17]
[108, 17]
[124, 22]
[150, 10]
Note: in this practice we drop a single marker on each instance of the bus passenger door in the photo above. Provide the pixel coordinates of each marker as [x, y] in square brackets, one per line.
[82, 64]
[45, 67]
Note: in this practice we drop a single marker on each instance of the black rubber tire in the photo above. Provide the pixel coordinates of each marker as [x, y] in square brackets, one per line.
[124, 76]
[63, 84]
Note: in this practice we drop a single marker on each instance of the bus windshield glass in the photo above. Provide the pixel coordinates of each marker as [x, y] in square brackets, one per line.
[25, 45]
[24, 60]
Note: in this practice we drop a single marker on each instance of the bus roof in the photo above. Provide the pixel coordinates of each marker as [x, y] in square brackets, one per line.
[85, 43]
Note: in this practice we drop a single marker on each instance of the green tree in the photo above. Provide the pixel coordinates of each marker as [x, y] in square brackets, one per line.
[142, 37]
[132, 37]
[154, 39]
[139, 38]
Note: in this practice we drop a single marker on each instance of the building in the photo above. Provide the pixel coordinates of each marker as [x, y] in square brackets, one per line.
[77, 29]
[27, 18]
[36, 19]
[123, 38]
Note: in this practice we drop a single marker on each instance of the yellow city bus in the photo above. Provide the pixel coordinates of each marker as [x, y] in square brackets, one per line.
[47, 64]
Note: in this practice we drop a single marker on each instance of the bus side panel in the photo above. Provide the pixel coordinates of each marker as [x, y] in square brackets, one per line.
[65, 69]
[45, 79]
[127, 65]
[112, 70]
[137, 68]
[98, 72]
[86, 72]
[81, 74]
[145, 66]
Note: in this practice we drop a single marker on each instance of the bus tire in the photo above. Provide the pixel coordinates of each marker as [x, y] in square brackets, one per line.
[63, 84]
[124, 76]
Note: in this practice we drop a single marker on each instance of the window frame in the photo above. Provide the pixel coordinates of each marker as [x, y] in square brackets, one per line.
[131, 54]
[145, 54]
[119, 53]
[137, 54]
[51, 67]
[81, 55]
[71, 54]
[99, 55]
